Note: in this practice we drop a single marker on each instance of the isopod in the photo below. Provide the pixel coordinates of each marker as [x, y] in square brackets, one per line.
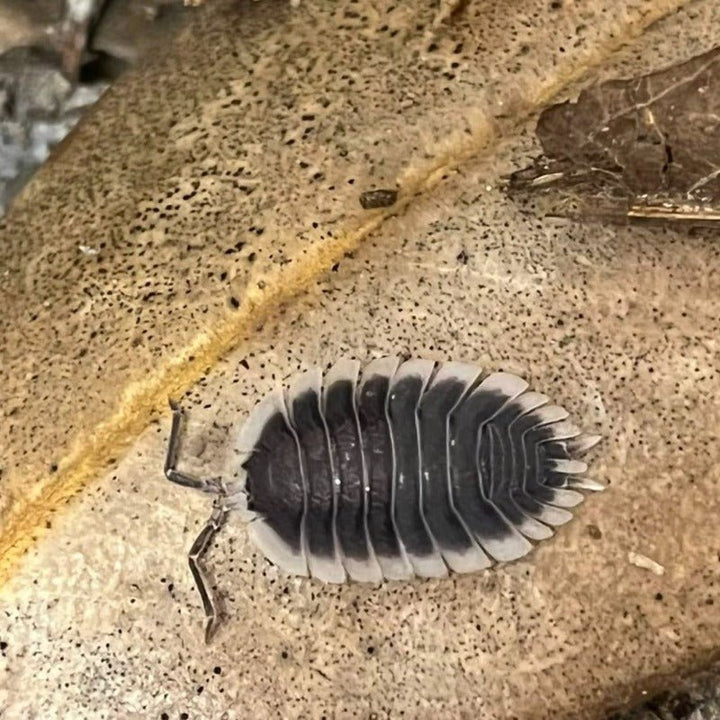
[395, 470]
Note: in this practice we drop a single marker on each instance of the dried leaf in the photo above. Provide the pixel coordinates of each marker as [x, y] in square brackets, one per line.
[641, 148]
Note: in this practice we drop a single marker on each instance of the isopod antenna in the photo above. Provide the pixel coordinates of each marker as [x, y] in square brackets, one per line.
[213, 525]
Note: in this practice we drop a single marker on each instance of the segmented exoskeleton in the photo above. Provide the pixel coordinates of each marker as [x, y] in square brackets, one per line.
[408, 468]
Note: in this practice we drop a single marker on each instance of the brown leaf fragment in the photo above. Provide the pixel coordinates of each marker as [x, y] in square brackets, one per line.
[644, 148]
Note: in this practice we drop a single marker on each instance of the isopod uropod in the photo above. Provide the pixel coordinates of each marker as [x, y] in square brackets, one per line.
[405, 469]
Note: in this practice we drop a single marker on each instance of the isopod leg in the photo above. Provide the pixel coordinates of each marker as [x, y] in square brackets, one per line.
[171, 472]
[197, 551]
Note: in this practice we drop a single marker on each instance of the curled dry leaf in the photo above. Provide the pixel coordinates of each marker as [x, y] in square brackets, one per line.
[644, 148]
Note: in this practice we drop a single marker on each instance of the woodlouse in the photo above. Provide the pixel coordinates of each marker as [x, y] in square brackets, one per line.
[406, 468]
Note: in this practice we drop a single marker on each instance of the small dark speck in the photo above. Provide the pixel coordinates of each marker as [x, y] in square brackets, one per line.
[53, 467]
[594, 532]
[370, 650]
[284, 654]
[184, 716]
[217, 669]
[378, 199]
[463, 257]
[335, 267]
[658, 596]
[3, 646]
[234, 302]
[245, 364]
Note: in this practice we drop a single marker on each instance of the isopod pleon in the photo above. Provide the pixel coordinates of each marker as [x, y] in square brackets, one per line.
[395, 470]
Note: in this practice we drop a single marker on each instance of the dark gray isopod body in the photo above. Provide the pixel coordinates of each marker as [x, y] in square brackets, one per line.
[412, 468]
